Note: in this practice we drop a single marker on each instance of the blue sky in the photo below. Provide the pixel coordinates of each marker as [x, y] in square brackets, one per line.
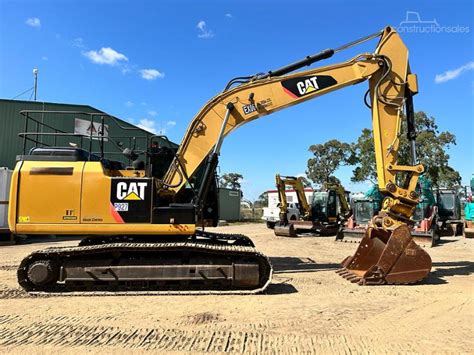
[156, 63]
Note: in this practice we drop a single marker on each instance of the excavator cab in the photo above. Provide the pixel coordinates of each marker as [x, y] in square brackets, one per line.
[319, 206]
[449, 211]
[363, 211]
[325, 206]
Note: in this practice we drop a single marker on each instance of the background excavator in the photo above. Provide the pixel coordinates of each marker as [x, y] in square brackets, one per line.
[145, 234]
[324, 215]
[424, 225]
[364, 208]
[449, 211]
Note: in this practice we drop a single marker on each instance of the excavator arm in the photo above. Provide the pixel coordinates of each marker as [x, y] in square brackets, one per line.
[297, 185]
[391, 85]
[387, 254]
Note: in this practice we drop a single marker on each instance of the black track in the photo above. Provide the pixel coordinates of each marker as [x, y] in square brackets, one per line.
[214, 248]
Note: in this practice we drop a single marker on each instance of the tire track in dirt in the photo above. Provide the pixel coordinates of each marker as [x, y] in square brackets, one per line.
[80, 335]
[10, 293]
[8, 267]
[7, 318]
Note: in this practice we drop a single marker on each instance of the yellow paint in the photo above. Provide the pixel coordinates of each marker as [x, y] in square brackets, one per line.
[45, 197]
[100, 228]
[96, 186]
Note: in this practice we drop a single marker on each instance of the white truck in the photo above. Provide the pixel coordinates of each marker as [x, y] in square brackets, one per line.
[272, 214]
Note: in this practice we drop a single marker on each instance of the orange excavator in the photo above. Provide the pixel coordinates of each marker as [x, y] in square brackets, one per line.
[146, 233]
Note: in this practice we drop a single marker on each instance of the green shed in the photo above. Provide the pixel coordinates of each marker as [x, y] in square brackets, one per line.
[68, 122]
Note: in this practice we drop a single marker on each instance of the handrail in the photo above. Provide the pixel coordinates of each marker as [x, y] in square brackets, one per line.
[97, 121]
[90, 116]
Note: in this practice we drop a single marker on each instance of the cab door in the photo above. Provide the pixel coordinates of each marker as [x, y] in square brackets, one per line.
[332, 206]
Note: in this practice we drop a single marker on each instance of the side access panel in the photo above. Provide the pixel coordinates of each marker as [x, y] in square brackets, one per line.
[49, 192]
[114, 200]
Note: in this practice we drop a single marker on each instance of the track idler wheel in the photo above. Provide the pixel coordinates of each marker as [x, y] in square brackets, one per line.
[42, 273]
[385, 257]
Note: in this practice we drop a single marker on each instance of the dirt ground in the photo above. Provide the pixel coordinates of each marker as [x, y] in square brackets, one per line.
[308, 308]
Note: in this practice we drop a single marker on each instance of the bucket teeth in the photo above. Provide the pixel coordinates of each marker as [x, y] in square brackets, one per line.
[348, 275]
[352, 278]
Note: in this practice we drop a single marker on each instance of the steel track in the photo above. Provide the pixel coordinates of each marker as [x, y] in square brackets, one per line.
[215, 246]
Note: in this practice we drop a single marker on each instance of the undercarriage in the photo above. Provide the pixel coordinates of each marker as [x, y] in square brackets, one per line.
[202, 263]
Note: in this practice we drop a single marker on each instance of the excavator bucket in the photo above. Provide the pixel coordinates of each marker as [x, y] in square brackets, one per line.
[287, 230]
[386, 258]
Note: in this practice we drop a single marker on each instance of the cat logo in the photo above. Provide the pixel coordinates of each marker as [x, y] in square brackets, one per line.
[308, 85]
[132, 191]
[304, 85]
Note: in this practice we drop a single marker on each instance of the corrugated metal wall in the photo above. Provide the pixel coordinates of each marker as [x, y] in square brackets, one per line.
[229, 204]
[12, 123]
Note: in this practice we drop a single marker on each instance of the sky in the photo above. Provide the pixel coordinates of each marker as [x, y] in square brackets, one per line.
[155, 63]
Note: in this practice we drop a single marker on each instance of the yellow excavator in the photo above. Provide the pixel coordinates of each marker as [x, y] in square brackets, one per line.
[145, 234]
[326, 213]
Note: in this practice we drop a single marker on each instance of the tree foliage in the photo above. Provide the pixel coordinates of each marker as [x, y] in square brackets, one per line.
[364, 155]
[231, 181]
[262, 200]
[305, 181]
[327, 158]
[431, 149]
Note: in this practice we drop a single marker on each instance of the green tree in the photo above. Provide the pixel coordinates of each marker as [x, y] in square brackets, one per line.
[364, 155]
[262, 200]
[431, 149]
[231, 181]
[328, 157]
[305, 181]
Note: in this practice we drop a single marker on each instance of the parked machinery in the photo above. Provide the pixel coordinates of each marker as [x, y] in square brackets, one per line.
[449, 212]
[424, 227]
[363, 210]
[324, 215]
